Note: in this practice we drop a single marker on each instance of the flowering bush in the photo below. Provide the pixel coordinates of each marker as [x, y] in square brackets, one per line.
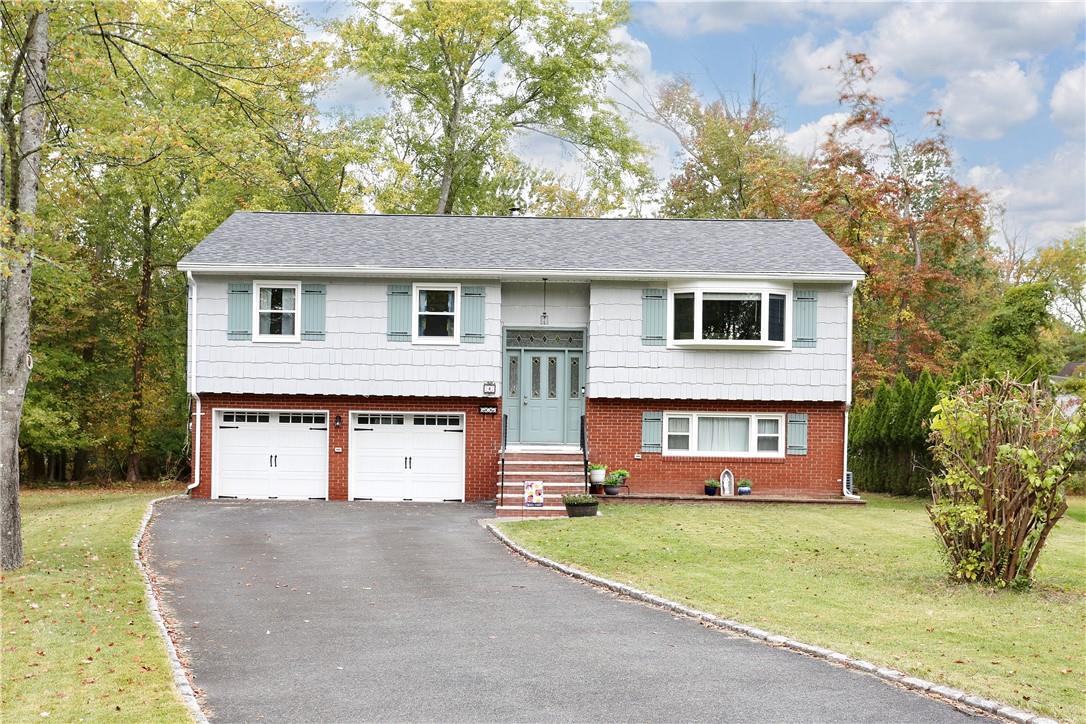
[1006, 450]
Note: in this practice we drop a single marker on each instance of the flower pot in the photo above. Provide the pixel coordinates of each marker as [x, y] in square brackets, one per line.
[597, 476]
[612, 489]
[743, 490]
[586, 510]
[595, 488]
[714, 490]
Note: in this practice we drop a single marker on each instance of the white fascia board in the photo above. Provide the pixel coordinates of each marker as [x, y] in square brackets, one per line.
[551, 274]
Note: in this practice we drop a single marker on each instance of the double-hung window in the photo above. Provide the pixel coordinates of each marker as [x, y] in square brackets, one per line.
[436, 314]
[275, 314]
[723, 434]
[724, 316]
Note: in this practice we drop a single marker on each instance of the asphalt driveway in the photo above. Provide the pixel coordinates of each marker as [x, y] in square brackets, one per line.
[337, 612]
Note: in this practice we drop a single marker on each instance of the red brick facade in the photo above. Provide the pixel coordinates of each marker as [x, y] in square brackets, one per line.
[483, 432]
[614, 430]
[614, 436]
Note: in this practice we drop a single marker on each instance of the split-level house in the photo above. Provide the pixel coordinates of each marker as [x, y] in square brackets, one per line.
[435, 358]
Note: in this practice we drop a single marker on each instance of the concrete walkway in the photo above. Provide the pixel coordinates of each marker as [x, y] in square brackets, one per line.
[334, 612]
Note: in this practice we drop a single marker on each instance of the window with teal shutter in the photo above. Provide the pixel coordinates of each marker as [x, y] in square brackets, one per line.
[804, 318]
[654, 317]
[399, 312]
[652, 432]
[239, 311]
[797, 433]
[473, 315]
[313, 296]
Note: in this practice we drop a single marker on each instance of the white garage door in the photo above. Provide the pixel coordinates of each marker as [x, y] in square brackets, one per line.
[409, 456]
[266, 454]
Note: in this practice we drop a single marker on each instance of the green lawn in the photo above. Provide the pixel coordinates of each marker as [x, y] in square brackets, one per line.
[867, 581]
[78, 642]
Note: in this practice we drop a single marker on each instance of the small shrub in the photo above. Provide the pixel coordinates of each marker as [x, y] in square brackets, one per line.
[1006, 451]
[596, 466]
[617, 477]
[712, 483]
[579, 499]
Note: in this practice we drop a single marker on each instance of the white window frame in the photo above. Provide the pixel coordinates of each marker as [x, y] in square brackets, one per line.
[700, 289]
[752, 435]
[274, 284]
[416, 338]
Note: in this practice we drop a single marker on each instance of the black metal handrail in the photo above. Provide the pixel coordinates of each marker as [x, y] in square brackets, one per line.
[584, 449]
[505, 439]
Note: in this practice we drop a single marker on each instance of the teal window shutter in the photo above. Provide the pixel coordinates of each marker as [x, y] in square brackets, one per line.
[239, 310]
[804, 318]
[399, 312]
[313, 296]
[654, 317]
[652, 432]
[797, 433]
[473, 314]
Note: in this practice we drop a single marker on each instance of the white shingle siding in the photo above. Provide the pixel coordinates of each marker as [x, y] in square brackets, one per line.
[620, 366]
[356, 358]
[567, 304]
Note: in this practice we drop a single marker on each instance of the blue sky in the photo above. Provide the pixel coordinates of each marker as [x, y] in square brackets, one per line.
[1008, 76]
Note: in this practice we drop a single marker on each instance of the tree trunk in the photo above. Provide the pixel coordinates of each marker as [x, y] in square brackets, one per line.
[15, 299]
[452, 127]
[139, 351]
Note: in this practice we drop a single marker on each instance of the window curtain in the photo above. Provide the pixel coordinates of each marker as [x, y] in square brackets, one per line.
[723, 434]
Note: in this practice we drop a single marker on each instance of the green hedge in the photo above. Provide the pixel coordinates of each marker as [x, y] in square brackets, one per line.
[888, 437]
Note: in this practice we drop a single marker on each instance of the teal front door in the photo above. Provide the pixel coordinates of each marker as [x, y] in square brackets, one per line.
[543, 397]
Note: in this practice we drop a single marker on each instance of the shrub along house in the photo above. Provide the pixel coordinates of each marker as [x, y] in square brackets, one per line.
[380, 357]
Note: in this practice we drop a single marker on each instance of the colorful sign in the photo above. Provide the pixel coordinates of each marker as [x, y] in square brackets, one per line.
[533, 494]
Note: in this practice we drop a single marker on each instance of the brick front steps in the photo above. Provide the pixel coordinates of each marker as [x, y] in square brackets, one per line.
[561, 473]
[714, 499]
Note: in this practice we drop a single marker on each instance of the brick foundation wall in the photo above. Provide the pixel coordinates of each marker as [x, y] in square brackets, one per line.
[614, 435]
[483, 433]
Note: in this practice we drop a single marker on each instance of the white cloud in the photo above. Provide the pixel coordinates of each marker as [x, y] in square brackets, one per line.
[683, 19]
[354, 94]
[1045, 200]
[806, 139]
[813, 69]
[1068, 102]
[938, 39]
[985, 103]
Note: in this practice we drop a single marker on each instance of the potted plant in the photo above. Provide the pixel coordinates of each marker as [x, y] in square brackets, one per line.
[597, 473]
[614, 481]
[744, 487]
[580, 505]
[712, 486]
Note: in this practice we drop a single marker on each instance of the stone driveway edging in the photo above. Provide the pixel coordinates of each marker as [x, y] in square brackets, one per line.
[180, 680]
[892, 675]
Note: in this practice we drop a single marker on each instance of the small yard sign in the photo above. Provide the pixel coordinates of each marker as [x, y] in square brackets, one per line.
[533, 494]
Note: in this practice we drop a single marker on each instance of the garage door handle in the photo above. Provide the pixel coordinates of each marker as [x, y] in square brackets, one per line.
[363, 429]
[276, 461]
[271, 463]
[227, 427]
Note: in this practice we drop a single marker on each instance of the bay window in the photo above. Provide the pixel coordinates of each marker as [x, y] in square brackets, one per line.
[723, 434]
[714, 316]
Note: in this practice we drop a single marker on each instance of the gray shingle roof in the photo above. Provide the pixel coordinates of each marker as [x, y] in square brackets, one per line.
[520, 244]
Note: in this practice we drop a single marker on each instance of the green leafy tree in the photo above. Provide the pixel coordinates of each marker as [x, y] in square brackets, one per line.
[467, 78]
[1014, 339]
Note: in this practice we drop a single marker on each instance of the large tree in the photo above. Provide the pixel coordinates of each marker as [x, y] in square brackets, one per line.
[468, 79]
[157, 120]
